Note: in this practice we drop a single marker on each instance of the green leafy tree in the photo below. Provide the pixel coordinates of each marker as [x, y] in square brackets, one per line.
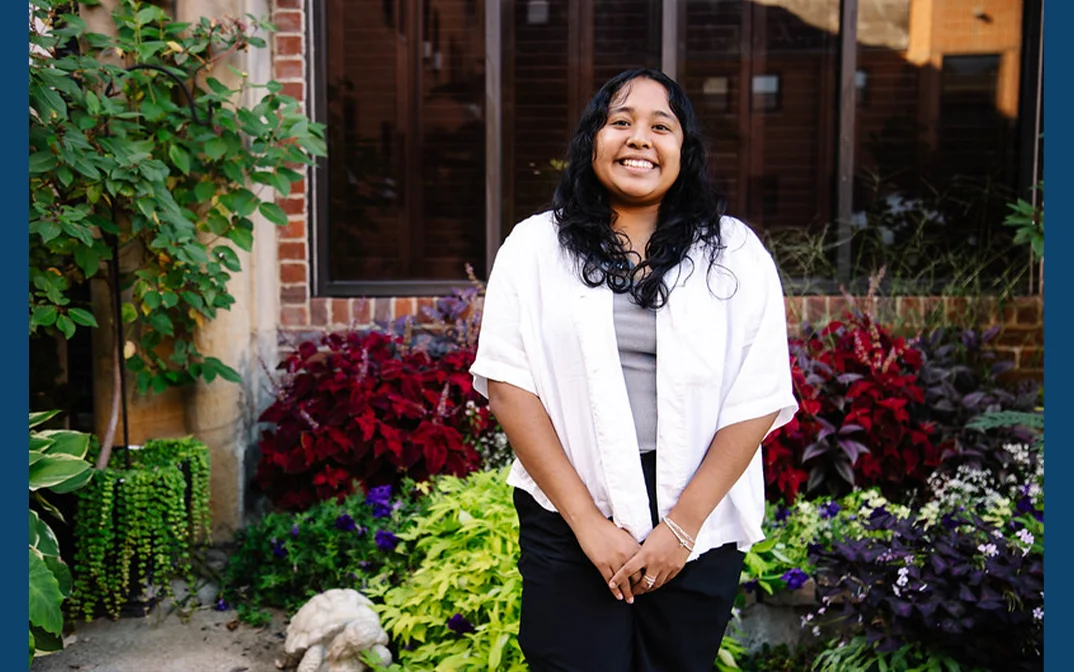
[139, 148]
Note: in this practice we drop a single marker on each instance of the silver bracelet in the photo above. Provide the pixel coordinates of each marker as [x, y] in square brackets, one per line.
[685, 540]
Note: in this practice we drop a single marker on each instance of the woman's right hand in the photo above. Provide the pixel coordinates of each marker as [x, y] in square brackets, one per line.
[608, 547]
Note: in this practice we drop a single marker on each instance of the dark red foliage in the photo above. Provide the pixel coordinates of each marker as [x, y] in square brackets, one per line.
[861, 415]
[365, 409]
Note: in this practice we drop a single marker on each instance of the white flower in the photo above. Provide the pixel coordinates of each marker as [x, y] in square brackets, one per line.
[989, 550]
[816, 631]
[1038, 613]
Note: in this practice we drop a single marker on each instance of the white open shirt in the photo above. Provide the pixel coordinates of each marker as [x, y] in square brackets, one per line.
[722, 358]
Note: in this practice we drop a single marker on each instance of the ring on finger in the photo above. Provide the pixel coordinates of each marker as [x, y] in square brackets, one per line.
[650, 581]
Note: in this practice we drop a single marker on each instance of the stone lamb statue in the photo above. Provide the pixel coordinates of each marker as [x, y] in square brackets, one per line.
[330, 632]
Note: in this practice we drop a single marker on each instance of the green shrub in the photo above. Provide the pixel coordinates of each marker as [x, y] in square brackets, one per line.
[463, 556]
[287, 558]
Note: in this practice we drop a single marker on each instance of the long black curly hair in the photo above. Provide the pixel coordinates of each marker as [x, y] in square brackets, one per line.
[689, 212]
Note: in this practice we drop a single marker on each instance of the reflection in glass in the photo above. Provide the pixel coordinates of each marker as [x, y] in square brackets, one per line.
[406, 192]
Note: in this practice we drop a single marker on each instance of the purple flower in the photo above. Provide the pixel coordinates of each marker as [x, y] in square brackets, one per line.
[381, 510]
[829, 510]
[1025, 505]
[949, 521]
[221, 605]
[386, 541]
[794, 578]
[278, 548]
[379, 495]
[750, 586]
[365, 564]
[782, 514]
[459, 625]
[346, 523]
[294, 531]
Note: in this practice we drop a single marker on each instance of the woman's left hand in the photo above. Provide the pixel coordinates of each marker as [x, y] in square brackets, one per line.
[658, 561]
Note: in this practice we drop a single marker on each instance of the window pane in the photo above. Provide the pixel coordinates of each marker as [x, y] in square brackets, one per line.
[406, 137]
[556, 54]
[936, 155]
[771, 135]
[365, 133]
[536, 84]
[451, 232]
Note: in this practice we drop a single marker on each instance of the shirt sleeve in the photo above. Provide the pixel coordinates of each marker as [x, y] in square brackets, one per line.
[763, 383]
[501, 353]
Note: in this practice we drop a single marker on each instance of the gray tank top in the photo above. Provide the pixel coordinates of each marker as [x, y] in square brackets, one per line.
[635, 331]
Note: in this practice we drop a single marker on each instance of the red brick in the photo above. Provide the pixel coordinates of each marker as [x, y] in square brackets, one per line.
[296, 90]
[793, 307]
[288, 22]
[1029, 311]
[932, 309]
[294, 294]
[341, 311]
[290, 68]
[909, 309]
[291, 272]
[815, 309]
[1018, 336]
[404, 306]
[362, 312]
[292, 250]
[1031, 358]
[288, 45]
[319, 312]
[424, 303]
[289, 4]
[294, 316]
[382, 309]
[838, 306]
[292, 206]
[294, 229]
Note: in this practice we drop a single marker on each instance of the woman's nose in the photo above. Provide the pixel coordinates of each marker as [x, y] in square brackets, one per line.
[639, 138]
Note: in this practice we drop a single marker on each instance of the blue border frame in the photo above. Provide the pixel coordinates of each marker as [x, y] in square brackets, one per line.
[14, 277]
[1058, 360]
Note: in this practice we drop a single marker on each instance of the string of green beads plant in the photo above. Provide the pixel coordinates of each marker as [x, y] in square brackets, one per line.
[138, 528]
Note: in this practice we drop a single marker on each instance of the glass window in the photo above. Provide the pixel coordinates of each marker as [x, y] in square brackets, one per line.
[936, 146]
[404, 103]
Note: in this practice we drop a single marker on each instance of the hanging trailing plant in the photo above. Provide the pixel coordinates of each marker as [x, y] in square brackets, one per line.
[138, 527]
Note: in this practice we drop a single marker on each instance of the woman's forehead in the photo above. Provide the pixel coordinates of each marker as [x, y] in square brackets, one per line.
[641, 94]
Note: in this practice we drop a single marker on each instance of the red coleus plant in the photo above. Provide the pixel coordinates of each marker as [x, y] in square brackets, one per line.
[859, 419]
[366, 409]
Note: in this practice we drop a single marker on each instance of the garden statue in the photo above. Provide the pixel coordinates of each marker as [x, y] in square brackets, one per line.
[331, 631]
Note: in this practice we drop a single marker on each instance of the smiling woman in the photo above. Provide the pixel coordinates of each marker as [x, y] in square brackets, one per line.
[638, 480]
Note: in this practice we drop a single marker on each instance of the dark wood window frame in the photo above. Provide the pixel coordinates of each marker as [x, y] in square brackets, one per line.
[671, 57]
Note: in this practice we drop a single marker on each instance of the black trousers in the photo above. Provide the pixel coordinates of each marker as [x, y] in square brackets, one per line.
[571, 622]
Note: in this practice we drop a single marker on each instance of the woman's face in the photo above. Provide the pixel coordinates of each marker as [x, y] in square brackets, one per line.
[637, 152]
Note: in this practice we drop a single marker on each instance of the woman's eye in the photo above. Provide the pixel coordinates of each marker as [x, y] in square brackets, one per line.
[661, 127]
[620, 122]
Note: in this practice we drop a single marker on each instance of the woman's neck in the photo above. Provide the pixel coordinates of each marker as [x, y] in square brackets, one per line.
[637, 224]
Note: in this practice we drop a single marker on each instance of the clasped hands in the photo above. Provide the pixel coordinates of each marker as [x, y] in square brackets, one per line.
[630, 568]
